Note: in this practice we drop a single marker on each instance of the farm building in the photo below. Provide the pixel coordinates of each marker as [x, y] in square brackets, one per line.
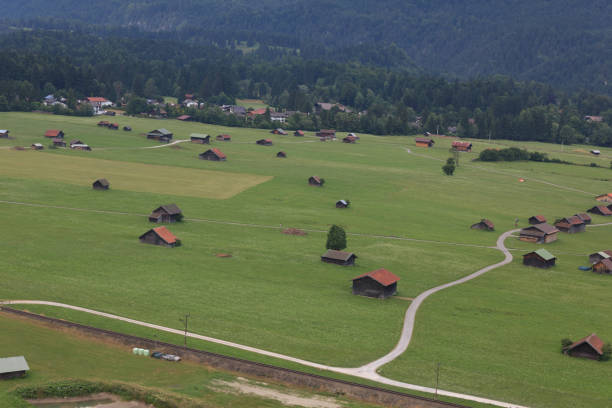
[127, 128]
[540, 258]
[75, 142]
[199, 138]
[353, 135]
[166, 213]
[598, 256]
[264, 142]
[213, 154]
[349, 139]
[537, 219]
[339, 257]
[600, 210]
[13, 367]
[327, 133]
[4, 133]
[607, 198]
[570, 225]
[462, 146]
[281, 155]
[103, 123]
[113, 126]
[159, 236]
[54, 133]
[37, 146]
[278, 131]
[484, 224]
[58, 142]
[224, 138]
[424, 142]
[101, 184]
[163, 135]
[316, 181]
[342, 204]
[539, 233]
[80, 146]
[298, 133]
[184, 117]
[603, 266]
[590, 347]
[379, 284]
[586, 218]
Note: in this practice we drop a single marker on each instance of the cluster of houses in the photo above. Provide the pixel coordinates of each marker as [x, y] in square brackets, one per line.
[57, 140]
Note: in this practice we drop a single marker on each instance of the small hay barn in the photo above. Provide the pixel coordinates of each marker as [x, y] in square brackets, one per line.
[539, 233]
[600, 210]
[315, 181]
[571, 225]
[166, 213]
[540, 259]
[590, 347]
[424, 142]
[159, 236]
[378, 284]
[200, 138]
[537, 219]
[213, 154]
[603, 266]
[484, 224]
[339, 257]
[101, 184]
[13, 367]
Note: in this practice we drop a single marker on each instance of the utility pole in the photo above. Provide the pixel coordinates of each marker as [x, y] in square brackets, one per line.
[185, 321]
[437, 379]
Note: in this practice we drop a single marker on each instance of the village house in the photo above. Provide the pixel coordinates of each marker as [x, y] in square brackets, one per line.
[184, 118]
[590, 347]
[281, 155]
[603, 266]
[539, 233]
[592, 118]
[342, 204]
[159, 236]
[13, 367]
[349, 139]
[278, 131]
[224, 138]
[326, 134]
[98, 103]
[459, 146]
[213, 154]
[37, 146]
[166, 213]
[280, 117]
[339, 257]
[600, 210]
[101, 184]
[378, 284]
[199, 138]
[298, 133]
[316, 181]
[256, 112]
[570, 225]
[163, 135]
[4, 134]
[607, 198]
[586, 218]
[54, 133]
[537, 219]
[424, 142]
[57, 142]
[540, 259]
[598, 256]
[264, 142]
[484, 224]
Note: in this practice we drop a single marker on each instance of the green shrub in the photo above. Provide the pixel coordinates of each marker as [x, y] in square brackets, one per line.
[607, 352]
[565, 343]
[336, 238]
[448, 169]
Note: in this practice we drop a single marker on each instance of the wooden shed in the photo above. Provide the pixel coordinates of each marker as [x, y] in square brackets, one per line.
[58, 142]
[339, 257]
[606, 198]
[540, 259]
[54, 133]
[537, 219]
[113, 126]
[80, 146]
[459, 146]
[159, 236]
[264, 142]
[424, 142]
[343, 204]
[316, 181]
[571, 225]
[598, 256]
[589, 347]
[37, 146]
[199, 138]
[224, 138]
[298, 133]
[600, 210]
[603, 266]
[163, 135]
[586, 218]
[127, 128]
[166, 213]
[484, 224]
[378, 284]
[213, 154]
[4, 134]
[184, 117]
[13, 367]
[349, 139]
[75, 142]
[103, 123]
[278, 131]
[281, 155]
[539, 234]
[326, 134]
[101, 184]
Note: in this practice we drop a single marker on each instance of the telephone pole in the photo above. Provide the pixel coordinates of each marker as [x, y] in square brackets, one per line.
[185, 320]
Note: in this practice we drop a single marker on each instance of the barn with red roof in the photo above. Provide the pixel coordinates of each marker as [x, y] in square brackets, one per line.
[379, 284]
[589, 347]
[159, 236]
[213, 154]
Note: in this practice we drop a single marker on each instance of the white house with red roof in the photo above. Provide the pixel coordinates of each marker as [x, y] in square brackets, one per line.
[98, 103]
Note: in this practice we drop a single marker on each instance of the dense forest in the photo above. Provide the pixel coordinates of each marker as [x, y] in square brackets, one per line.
[382, 100]
[565, 43]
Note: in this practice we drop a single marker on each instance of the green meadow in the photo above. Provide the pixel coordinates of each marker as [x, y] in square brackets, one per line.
[497, 336]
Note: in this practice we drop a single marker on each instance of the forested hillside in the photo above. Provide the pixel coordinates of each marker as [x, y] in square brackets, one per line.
[562, 42]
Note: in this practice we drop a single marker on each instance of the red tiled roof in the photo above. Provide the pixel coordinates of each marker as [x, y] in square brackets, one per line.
[52, 133]
[260, 111]
[299, 132]
[592, 340]
[184, 117]
[540, 218]
[584, 216]
[575, 220]
[461, 144]
[603, 209]
[382, 276]
[165, 234]
[218, 153]
[96, 99]
[317, 179]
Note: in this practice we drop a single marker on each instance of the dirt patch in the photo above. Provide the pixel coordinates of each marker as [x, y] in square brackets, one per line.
[261, 389]
[223, 255]
[294, 231]
[101, 400]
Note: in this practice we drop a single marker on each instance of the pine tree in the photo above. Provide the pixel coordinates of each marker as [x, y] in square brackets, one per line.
[336, 238]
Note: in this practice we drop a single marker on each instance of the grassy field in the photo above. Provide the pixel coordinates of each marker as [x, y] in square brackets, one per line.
[274, 293]
[251, 103]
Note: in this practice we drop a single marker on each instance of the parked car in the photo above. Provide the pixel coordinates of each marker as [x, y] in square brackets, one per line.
[164, 356]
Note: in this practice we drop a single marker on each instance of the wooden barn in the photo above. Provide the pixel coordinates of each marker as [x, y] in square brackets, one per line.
[349, 139]
[459, 146]
[571, 225]
[606, 198]
[37, 146]
[54, 133]
[101, 184]
[540, 259]
[278, 131]
[4, 134]
[424, 142]
[159, 236]
[343, 204]
[75, 142]
[603, 266]
[80, 146]
[224, 138]
[539, 234]
[103, 123]
[213, 154]
[166, 213]
[199, 138]
[600, 210]
[184, 117]
[339, 257]
[586, 218]
[537, 219]
[58, 142]
[127, 128]
[590, 347]
[598, 256]
[282, 155]
[327, 134]
[378, 284]
[113, 126]
[315, 181]
[13, 367]
[163, 135]
[264, 142]
[484, 224]
[298, 133]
